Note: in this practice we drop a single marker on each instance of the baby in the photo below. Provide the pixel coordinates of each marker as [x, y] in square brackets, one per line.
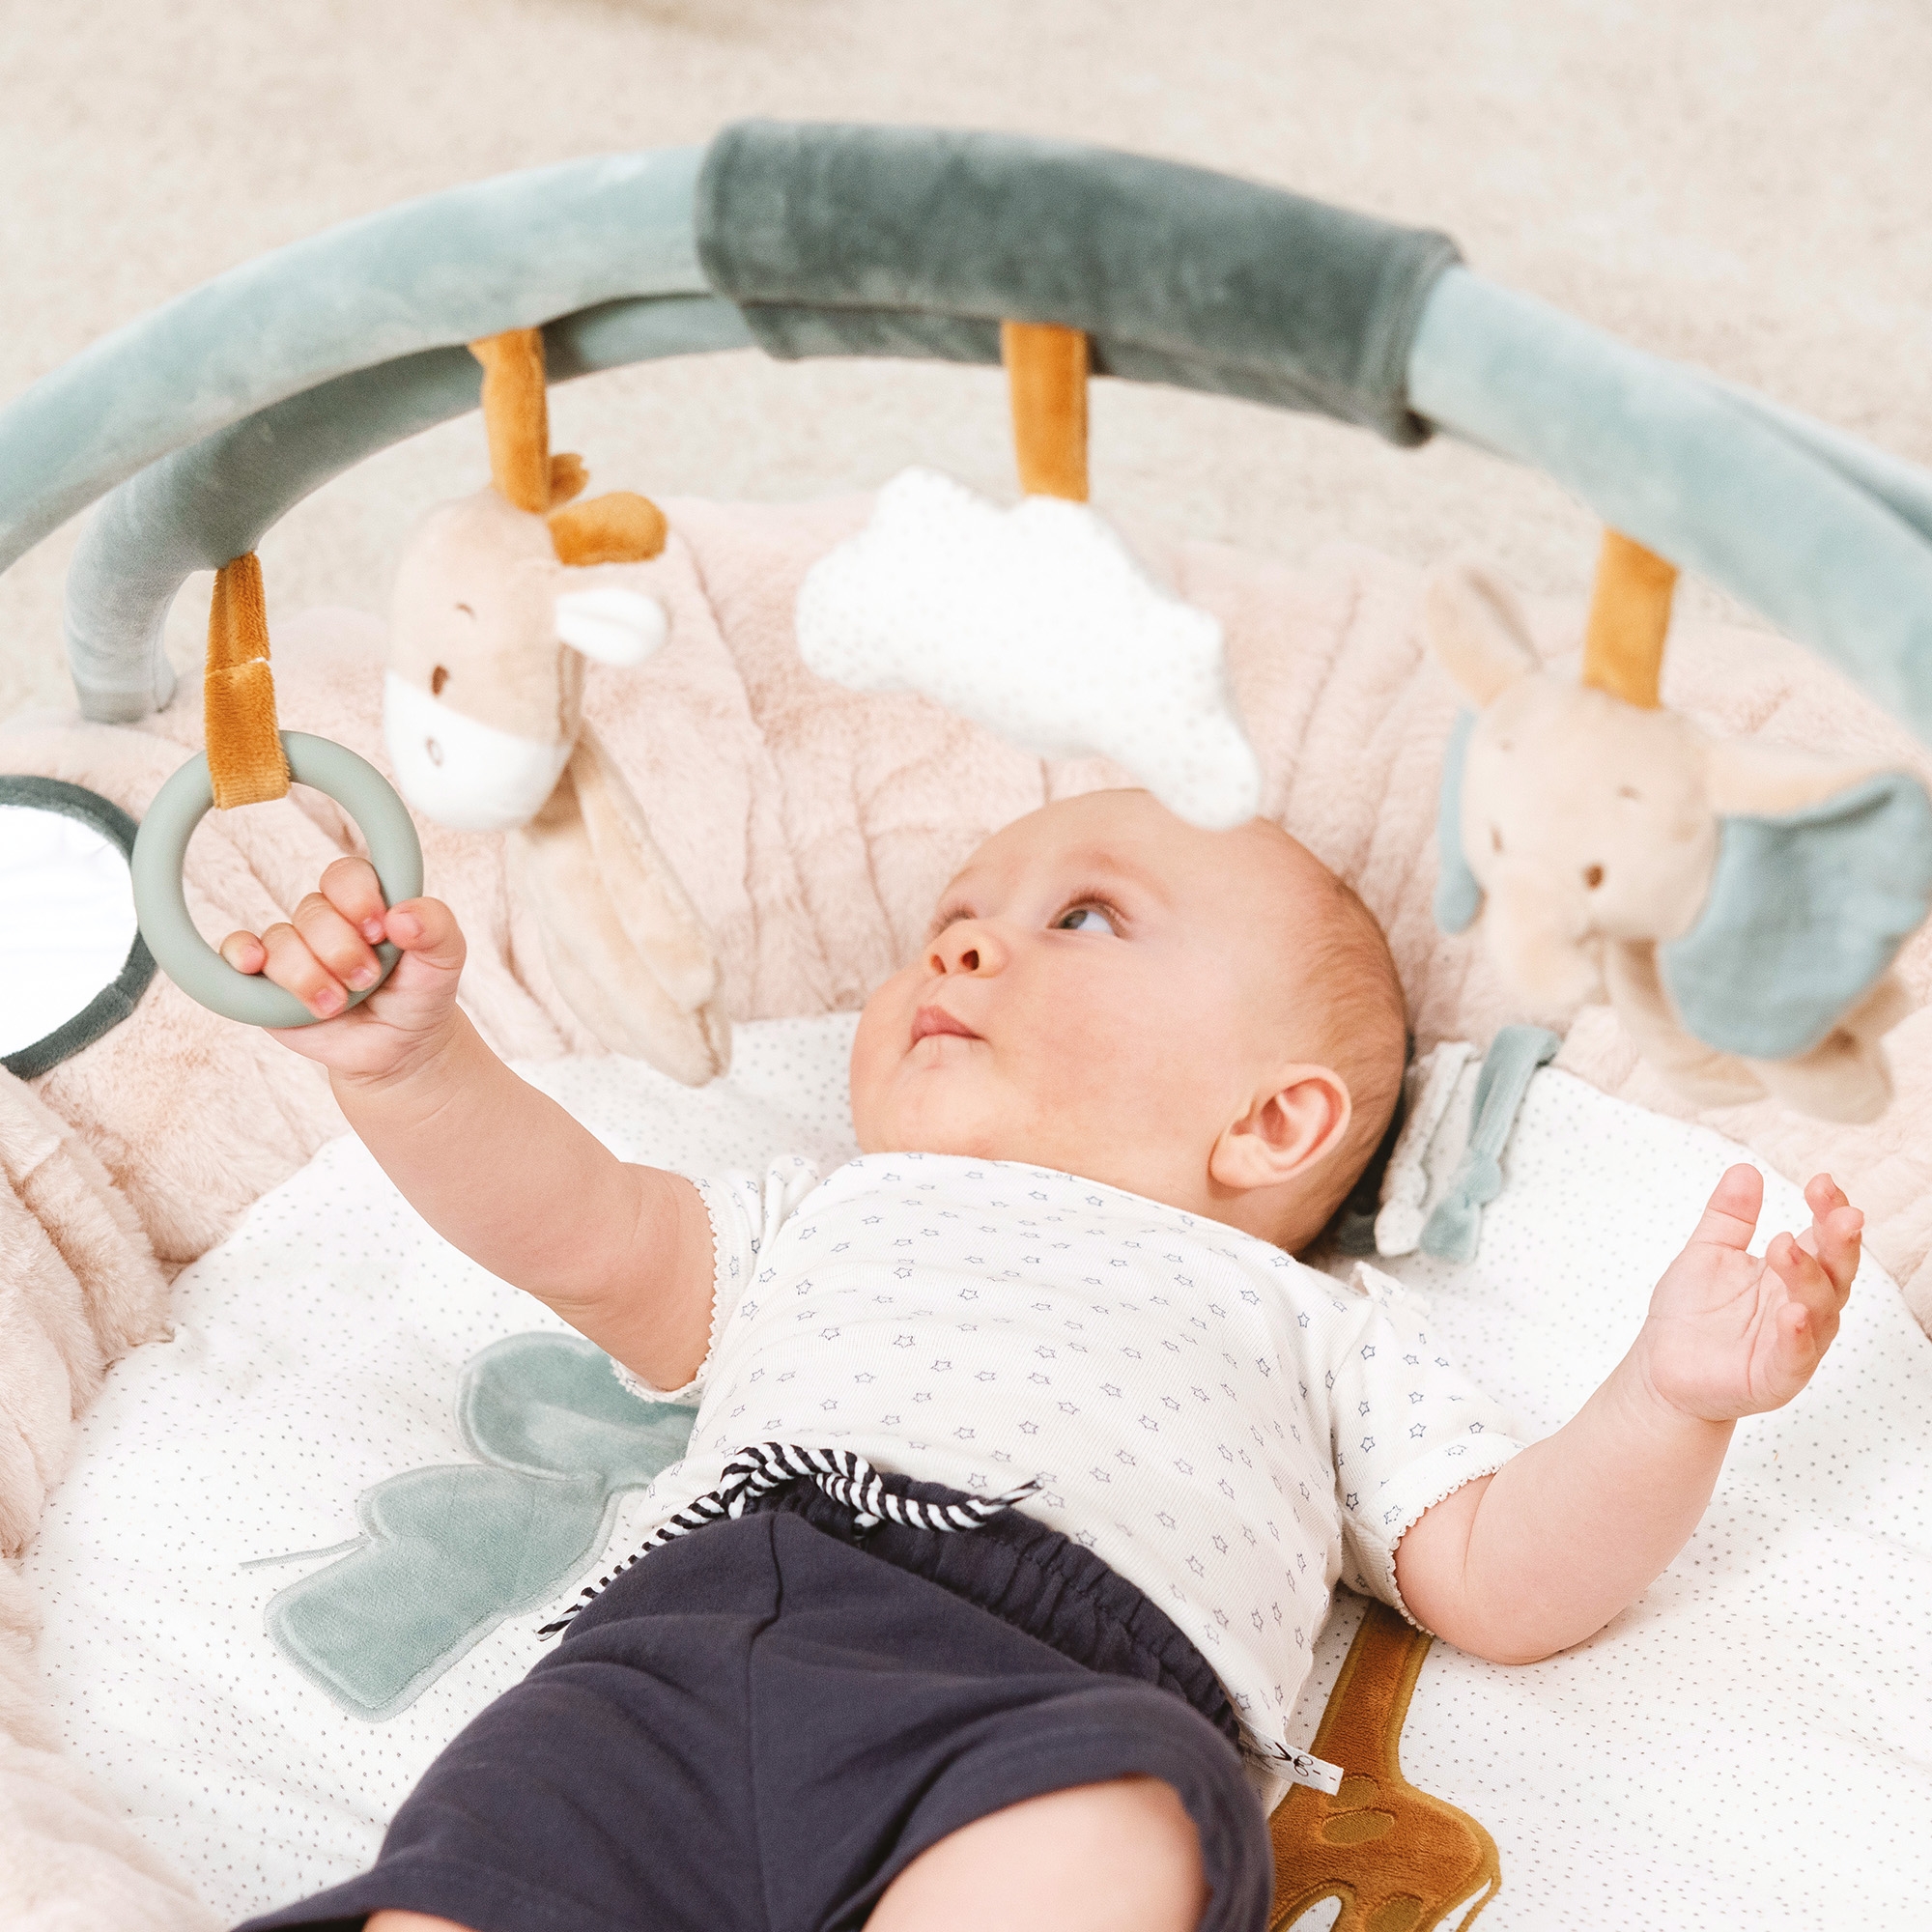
[1025, 1457]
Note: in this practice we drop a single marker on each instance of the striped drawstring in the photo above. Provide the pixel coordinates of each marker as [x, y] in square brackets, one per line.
[844, 1477]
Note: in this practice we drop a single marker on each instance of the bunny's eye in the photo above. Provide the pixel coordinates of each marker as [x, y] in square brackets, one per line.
[438, 678]
[1496, 839]
[1593, 876]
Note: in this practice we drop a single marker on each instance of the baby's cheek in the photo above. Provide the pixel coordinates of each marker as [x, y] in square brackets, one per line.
[871, 1064]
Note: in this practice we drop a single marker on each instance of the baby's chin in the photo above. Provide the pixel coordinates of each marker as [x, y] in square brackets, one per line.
[948, 1114]
[925, 1129]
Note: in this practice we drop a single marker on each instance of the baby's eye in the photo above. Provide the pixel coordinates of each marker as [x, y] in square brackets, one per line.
[1083, 919]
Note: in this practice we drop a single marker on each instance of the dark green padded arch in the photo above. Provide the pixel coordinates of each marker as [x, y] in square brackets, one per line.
[854, 240]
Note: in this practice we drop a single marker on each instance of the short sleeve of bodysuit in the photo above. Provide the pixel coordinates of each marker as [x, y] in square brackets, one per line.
[1406, 1427]
[745, 1212]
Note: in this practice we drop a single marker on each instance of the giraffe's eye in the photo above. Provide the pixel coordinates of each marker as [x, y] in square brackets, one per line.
[438, 678]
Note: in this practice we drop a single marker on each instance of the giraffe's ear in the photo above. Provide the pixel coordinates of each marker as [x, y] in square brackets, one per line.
[620, 527]
[611, 622]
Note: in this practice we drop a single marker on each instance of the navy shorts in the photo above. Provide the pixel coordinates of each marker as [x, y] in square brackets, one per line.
[759, 1726]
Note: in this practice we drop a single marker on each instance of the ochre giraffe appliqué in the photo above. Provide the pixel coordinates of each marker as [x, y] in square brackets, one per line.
[1398, 1860]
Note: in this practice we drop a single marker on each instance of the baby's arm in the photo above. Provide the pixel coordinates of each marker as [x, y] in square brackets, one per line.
[1543, 1553]
[622, 1253]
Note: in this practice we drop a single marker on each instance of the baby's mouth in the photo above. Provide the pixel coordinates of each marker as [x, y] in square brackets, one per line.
[929, 1020]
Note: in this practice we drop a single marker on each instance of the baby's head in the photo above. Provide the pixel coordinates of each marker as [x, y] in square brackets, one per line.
[1207, 1018]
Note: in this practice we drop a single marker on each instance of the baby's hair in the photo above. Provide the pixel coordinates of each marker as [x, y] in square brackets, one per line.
[1366, 1030]
[1359, 1026]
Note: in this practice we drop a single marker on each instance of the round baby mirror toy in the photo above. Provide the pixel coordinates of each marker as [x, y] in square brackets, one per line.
[71, 956]
[1752, 953]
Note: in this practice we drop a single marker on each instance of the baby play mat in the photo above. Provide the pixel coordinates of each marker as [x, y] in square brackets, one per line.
[1750, 1745]
[296, 1545]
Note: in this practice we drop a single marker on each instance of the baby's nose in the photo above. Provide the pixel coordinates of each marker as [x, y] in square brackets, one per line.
[965, 947]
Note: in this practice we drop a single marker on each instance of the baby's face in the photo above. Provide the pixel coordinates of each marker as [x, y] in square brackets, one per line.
[1100, 993]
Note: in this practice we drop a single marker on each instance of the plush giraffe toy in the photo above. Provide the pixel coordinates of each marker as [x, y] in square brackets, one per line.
[500, 600]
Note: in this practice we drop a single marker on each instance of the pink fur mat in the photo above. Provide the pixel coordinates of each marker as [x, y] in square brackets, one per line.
[813, 829]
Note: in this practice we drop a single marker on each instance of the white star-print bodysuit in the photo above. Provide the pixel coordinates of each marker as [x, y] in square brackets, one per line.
[1229, 1430]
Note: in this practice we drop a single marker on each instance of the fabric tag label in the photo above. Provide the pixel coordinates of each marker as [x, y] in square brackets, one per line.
[1300, 1767]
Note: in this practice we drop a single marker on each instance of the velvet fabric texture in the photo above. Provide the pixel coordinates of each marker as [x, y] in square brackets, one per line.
[836, 240]
[839, 240]
[512, 252]
[1830, 541]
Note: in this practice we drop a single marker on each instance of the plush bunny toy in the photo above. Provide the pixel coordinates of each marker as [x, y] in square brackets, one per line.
[1738, 905]
[500, 599]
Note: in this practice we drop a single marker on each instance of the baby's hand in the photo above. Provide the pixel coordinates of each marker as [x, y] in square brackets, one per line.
[327, 953]
[1730, 1335]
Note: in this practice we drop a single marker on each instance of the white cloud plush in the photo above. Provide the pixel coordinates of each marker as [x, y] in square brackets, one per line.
[1037, 623]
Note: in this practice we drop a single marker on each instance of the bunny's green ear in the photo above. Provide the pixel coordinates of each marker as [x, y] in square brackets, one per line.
[1477, 629]
[1812, 899]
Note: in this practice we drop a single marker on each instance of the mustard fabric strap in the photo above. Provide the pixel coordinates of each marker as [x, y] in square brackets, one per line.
[516, 416]
[1630, 619]
[246, 760]
[1046, 382]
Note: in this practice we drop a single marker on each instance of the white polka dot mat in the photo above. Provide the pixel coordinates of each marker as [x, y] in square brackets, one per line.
[1750, 1745]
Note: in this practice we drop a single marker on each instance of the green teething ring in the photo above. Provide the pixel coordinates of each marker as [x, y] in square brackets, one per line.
[161, 907]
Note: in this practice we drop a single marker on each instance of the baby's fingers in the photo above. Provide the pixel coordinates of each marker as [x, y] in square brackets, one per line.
[351, 888]
[1834, 1236]
[293, 965]
[1822, 1194]
[245, 952]
[1836, 1239]
[1809, 1318]
[426, 929]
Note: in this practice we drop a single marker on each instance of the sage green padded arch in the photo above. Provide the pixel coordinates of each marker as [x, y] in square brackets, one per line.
[826, 239]
[512, 252]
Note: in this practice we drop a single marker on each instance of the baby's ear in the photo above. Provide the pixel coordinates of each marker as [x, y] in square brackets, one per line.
[1286, 1132]
[1477, 629]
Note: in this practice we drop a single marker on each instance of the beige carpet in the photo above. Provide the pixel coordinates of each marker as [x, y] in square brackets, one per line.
[1742, 183]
